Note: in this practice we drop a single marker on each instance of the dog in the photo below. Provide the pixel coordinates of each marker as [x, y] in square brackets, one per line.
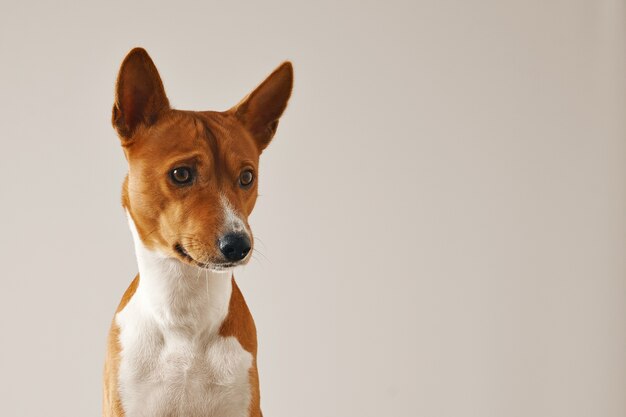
[182, 341]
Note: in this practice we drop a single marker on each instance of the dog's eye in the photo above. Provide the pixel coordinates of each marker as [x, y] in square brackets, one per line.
[182, 175]
[246, 178]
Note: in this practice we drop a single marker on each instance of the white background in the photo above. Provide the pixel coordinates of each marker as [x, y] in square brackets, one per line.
[443, 209]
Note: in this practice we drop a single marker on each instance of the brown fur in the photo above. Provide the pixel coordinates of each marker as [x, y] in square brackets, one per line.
[219, 145]
[239, 323]
[112, 406]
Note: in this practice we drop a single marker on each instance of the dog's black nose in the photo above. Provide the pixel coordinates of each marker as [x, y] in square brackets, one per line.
[234, 246]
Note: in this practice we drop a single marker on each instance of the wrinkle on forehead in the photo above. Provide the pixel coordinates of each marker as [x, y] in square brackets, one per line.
[205, 132]
[175, 132]
[233, 142]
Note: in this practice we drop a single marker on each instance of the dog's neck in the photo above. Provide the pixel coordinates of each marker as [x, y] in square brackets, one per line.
[180, 297]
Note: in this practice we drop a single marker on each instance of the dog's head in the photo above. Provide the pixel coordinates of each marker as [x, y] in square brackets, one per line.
[192, 180]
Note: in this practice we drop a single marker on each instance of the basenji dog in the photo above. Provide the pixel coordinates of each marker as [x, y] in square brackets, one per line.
[183, 342]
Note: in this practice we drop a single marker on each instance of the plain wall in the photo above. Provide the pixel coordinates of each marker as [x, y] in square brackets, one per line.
[442, 220]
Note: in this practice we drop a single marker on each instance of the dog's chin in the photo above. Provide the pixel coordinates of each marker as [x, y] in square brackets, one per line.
[219, 267]
[187, 258]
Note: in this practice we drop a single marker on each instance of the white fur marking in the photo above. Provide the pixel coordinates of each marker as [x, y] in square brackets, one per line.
[232, 221]
[173, 362]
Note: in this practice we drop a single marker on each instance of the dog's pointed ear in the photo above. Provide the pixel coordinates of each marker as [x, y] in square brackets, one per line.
[260, 110]
[139, 94]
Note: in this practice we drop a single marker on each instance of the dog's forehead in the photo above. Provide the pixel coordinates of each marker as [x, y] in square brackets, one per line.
[215, 134]
[228, 133]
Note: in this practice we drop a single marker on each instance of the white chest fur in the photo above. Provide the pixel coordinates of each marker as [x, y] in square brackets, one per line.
[173, 360]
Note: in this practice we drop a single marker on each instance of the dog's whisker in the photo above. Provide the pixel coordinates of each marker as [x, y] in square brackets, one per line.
[261, 253]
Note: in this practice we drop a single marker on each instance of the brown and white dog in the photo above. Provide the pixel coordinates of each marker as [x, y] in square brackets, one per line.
[183, 342]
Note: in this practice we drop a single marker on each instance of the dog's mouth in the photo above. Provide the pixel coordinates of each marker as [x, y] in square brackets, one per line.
[214, 266]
